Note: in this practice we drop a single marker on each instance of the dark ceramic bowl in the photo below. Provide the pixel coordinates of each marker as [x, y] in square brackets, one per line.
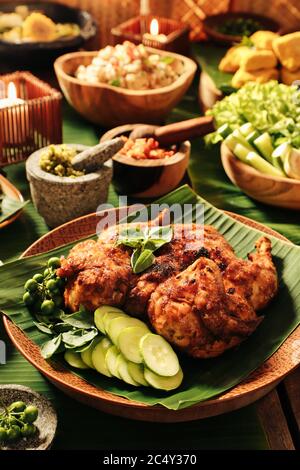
[212, 24]
[25, 54]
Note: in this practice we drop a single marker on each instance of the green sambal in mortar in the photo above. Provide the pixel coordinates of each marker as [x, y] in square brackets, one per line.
[57, 160]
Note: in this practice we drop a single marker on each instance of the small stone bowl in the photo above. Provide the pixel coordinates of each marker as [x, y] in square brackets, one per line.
[46, 422]
[60, 199]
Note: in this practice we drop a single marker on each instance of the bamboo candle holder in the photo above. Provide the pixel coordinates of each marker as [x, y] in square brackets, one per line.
[137, 30]
[30, 121]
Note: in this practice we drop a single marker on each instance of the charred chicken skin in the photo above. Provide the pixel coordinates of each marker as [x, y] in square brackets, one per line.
[197, 294]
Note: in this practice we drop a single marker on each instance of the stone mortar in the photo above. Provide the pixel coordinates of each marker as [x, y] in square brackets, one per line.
[60, 199]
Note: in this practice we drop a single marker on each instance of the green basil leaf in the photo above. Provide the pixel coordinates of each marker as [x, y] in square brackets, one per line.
[142, 261]
[51, 347]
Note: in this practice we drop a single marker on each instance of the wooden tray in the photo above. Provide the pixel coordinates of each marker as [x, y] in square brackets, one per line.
[11, 191]
[259, 383]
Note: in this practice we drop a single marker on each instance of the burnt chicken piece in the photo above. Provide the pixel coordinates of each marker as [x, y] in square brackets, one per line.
[195, 314]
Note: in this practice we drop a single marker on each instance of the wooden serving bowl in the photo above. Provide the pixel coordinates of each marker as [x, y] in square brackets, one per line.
[272, 190]
[253, 387]
[111, 106]
[147, 178]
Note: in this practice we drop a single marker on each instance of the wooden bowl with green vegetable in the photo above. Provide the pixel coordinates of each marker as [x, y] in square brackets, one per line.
[270, 189]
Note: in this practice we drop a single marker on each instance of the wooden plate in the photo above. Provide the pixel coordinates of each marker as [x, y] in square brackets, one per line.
[254, 387]
[11, 191]
[272, 190]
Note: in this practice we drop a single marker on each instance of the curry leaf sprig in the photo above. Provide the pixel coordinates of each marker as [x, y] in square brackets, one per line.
[75, 331]
[145, 241]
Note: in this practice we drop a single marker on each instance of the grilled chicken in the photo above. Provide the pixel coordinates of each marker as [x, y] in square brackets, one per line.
[198, 294]
[193, 311]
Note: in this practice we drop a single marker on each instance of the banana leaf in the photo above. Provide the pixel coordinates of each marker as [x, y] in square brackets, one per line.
[9, 207]
[203, 379]
[208, 57]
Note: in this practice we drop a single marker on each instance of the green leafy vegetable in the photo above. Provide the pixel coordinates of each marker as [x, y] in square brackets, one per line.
[144, 241]
[270, 107]
[51, 347]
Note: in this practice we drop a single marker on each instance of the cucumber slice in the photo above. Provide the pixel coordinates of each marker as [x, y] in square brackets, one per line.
[74, 360]
[100, 313]
[163, 383]
[292, 164]
[241, 139]
[241, 152]
[252, 137]
[123, 371]
[137, 373]
[158, 355]
[246, 129]
[109, 316]
[260, 164]
[111, 358]
[86, 355]
[129, 343]
[264, 144]
[98, 357]
[119, 324]
[224, 131]
[231, 142]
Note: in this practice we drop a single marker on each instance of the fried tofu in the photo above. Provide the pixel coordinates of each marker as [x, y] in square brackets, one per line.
[287, 49]
[288, 78]
[261, 76]
[263, 40]
[257, 60]
[232, 60]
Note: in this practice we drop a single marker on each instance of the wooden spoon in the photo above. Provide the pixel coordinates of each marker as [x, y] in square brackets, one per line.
[176, 132]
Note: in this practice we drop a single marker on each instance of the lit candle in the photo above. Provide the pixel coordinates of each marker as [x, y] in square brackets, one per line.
[154, 32]
[14, 121]
[12, 99]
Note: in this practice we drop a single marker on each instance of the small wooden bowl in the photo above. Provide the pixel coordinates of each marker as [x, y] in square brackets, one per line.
[213, 22]
[111, 106]
[147, 178]
[272, 190]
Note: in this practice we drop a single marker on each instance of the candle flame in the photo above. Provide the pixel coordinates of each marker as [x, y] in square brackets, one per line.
[154, 28]
[11, 91]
